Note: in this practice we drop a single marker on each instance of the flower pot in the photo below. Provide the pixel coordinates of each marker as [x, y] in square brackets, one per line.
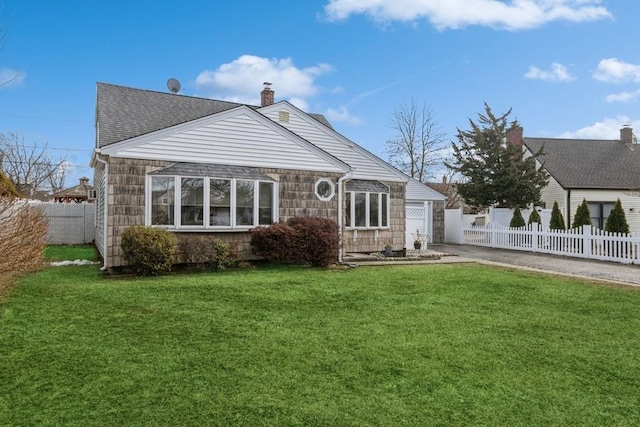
[417, 245]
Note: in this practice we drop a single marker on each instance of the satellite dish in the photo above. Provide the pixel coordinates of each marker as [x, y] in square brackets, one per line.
[173, 85]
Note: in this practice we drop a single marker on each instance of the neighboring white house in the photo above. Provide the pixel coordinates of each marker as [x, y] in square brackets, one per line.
[598, 171]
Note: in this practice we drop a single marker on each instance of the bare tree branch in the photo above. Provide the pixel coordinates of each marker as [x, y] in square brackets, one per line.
[419, 143]
[29, 166]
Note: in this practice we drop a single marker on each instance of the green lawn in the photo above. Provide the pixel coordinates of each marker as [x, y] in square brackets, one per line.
[398, 345]
[70, 252]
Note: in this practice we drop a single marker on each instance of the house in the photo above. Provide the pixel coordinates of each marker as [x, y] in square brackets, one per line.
[450, 190]
[77, 194]
[195, 165]
[598, 171]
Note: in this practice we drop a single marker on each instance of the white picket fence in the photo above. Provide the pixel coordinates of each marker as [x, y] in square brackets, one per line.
[584, 242]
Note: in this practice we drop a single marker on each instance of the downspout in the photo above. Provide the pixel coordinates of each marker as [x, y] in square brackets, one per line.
[568, 220]
[106, 210]
[341, 180]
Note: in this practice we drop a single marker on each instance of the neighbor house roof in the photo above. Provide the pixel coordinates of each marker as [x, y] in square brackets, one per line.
[133, 112]
[589, 163]
[78, 191]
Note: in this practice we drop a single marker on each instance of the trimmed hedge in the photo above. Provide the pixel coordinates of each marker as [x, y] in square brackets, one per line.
[148, 251]
[301, 240]
[206, 252]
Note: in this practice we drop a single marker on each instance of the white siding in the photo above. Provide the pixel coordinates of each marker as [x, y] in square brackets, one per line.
[630, 201]
[365, 167]
[418, 191]
[553, 192]
[238, 140]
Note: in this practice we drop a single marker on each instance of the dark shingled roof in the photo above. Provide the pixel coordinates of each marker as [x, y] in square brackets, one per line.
[588, 163]
[123, 113]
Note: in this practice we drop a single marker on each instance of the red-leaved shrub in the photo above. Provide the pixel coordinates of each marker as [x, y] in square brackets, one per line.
[301, 240]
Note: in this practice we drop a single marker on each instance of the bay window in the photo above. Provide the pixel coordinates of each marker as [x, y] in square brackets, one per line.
[197, 202]
[367, 204]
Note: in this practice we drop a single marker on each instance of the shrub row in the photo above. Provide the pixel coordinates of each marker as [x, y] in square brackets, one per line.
[151, 251]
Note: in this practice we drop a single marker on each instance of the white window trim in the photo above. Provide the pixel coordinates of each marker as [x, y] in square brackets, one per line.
[352, 211]
[177, 202]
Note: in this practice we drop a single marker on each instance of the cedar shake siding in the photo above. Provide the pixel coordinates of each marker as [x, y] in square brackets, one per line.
[438, 221]
[127, 180]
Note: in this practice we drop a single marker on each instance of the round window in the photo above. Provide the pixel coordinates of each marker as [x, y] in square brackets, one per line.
[325, 189]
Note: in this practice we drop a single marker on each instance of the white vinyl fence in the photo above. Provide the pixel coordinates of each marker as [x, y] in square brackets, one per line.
[584, 242]
[68, 223]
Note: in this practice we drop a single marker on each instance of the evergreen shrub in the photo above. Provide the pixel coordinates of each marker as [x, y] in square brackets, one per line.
[148, 251]
[617, 221]
[517, 220]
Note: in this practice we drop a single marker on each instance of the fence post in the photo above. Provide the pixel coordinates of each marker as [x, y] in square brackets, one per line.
[492, 234]
[586, 241]
[534, 236]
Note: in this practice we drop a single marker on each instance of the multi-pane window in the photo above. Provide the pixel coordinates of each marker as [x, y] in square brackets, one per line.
[367, 210]
[211, 203]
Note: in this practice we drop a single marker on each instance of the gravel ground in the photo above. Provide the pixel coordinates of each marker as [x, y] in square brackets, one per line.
[591, 269]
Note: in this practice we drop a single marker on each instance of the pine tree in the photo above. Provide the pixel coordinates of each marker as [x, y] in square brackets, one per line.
[517, 220]
[617, 221]
[557, 220]
[496, 173]
[534, 216]
[583, 215]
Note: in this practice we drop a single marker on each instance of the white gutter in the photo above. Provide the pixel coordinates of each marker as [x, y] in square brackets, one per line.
[341, 180]
[105, 214]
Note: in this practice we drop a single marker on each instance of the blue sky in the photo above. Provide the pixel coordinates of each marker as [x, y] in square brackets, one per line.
[567, 68]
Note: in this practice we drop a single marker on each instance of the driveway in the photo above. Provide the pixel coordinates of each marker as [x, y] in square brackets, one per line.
[576, 267]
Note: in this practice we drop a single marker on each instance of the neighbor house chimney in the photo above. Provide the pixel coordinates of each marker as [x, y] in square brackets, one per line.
[514, 136]
[266, 96]
[444, 179]
[626, 136]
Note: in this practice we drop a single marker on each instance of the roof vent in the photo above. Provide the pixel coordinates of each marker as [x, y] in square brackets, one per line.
[283, 116]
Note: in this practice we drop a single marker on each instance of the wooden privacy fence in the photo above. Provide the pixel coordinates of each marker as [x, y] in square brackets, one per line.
[582, 242]
[68, 223]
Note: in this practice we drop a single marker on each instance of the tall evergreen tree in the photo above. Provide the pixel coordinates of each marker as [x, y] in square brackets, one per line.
[617, 221]
[495, 173]
[534, 216]
[582, 216]
[557, 220]
[517, 220]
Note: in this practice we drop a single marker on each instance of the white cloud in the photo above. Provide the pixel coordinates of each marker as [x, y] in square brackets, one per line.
[612, 70]
[609, 128]
[443, 14]
[11, 78]
[558, 73]
[241, 80]
[341, 115]
[623, 96]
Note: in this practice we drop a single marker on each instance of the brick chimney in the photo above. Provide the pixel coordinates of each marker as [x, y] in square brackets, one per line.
[626, 136]
[444, 179]
[514, 136]
[266, 96]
